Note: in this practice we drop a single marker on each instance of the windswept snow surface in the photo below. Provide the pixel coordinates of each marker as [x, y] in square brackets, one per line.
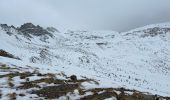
[130, 59]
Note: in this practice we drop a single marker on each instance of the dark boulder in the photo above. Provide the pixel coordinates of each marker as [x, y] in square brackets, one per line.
[73, 77]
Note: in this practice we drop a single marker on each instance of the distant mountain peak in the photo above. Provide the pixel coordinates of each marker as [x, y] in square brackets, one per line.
[6, 27]
[27, 25]
[52, 29]
[29, 28]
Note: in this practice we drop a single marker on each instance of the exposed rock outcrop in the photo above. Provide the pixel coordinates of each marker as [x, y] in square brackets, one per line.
[6, 54]
[52, 29]
[31, 29]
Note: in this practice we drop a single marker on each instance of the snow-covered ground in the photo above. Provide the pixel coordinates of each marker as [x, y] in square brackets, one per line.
[134, 59]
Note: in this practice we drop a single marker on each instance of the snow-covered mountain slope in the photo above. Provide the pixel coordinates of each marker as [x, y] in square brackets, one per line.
[138, 59]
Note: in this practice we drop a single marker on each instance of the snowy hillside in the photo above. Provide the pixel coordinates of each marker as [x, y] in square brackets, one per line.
[138, 59]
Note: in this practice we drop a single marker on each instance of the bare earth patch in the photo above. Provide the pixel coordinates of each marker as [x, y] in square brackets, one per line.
[48, 86]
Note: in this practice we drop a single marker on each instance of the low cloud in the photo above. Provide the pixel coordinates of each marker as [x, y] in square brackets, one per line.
[119, 15]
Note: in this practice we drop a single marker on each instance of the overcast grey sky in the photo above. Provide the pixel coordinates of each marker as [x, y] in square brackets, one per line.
[118, 15]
